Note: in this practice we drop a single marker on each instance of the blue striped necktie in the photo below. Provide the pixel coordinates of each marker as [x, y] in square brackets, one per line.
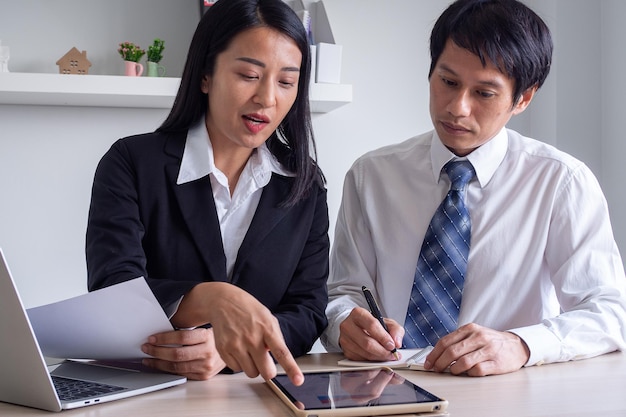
[438, 284]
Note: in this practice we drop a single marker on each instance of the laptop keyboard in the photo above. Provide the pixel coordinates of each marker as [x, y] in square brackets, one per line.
[73, 389]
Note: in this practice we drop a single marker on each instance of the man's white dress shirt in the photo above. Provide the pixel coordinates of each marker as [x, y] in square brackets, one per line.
[543, 262]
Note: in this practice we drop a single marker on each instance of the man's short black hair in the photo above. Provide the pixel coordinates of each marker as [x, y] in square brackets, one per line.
[505, 32]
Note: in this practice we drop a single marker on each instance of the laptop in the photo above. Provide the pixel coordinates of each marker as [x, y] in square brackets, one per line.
[26, 379]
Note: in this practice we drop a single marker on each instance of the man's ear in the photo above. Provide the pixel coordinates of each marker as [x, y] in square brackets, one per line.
[524, 100]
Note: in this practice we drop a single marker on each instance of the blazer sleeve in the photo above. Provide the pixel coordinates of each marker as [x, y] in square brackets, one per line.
[301, 312]
[115, 230]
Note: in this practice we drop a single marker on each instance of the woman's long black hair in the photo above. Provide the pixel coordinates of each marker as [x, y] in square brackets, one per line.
[292, 143]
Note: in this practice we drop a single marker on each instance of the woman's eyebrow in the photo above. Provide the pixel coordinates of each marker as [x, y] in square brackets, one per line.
[262, 64]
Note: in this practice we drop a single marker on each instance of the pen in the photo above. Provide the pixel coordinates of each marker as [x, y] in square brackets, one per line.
[371, 302]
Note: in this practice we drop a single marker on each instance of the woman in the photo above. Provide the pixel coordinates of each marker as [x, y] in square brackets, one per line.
[222, 209]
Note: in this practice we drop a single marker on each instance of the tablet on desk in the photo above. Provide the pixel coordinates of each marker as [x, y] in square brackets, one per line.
[355, 392]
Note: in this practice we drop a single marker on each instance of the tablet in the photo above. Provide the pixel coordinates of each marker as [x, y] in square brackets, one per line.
[355, 392]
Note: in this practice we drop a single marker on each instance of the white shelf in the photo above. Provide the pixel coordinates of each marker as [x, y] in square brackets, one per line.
[328, 97]
[123, 91]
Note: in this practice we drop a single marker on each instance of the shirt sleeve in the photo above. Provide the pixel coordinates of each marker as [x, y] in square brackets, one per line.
[352, 263]
[588, 277]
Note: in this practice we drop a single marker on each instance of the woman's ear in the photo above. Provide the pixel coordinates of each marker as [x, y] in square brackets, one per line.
[206, 84]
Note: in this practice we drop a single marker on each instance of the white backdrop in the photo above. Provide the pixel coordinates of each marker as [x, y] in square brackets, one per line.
[48, 154]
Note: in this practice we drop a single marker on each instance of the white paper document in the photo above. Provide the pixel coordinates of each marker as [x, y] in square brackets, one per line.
[111, 323]
[410, 359]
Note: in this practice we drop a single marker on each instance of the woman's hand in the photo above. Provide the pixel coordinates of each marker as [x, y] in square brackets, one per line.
[190, 353]
[245, 331]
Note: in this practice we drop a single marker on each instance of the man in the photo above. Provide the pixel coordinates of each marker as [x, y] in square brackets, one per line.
[543, 280]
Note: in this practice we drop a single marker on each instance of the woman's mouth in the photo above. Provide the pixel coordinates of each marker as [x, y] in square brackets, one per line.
[255, 122]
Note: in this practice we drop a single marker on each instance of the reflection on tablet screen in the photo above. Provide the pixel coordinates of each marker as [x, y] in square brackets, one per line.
[353, 388]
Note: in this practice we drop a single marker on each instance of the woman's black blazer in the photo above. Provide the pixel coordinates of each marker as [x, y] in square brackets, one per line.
[142, 224]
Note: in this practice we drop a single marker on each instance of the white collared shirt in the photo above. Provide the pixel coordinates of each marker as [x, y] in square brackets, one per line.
[541, 243]
[235, 213]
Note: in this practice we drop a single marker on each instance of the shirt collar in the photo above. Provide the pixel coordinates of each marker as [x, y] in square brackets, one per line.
[485, 159]
[198, 160]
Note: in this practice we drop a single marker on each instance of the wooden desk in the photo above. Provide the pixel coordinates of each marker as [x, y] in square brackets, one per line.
[592, 387]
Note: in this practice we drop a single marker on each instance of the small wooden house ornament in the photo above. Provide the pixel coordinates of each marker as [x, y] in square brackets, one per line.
[74, 62]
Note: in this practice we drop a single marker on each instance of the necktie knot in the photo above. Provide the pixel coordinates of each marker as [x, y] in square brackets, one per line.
[460, 174]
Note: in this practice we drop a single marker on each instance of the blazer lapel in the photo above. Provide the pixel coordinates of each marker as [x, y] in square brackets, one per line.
[266, 217]
[195, 200]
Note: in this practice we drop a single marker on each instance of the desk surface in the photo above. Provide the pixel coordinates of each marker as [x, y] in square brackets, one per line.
[592, 387]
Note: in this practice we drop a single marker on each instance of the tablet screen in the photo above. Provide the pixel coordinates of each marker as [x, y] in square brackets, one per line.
[353, 388]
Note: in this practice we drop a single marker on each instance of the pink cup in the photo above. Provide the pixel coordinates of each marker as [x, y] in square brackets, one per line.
[133, 69]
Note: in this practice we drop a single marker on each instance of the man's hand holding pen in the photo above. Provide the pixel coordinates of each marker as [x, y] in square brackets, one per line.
[364, 338]
[375, 310]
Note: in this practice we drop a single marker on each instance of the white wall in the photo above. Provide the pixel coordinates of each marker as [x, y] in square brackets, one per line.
[40, 32]
[613, 87]
[48, 154]
[47, 159]
[386, 59]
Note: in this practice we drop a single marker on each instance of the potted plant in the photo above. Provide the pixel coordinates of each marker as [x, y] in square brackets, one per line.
[155, 55]
[155, 51]
[131, 54]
